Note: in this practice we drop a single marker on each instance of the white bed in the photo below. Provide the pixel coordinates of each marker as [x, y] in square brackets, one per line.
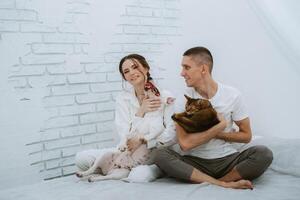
[280, 182]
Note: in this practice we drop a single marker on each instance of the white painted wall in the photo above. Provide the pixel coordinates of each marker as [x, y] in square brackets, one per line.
[59, 77]
[58, 74]
[248, 55]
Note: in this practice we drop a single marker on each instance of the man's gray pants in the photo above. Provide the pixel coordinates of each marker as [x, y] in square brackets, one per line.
[250, 163]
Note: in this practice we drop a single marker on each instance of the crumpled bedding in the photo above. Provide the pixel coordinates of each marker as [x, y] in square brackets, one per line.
[281, 181]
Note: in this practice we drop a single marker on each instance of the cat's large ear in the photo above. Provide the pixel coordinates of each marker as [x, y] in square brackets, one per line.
[187, 97]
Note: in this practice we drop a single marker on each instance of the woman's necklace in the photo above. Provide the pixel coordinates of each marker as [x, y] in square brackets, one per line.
[140, 94]
[140, 97]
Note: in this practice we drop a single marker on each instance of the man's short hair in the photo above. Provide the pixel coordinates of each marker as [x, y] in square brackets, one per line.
[201, 55]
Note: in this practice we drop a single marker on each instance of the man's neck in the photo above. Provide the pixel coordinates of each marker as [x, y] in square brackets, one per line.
[208, 89]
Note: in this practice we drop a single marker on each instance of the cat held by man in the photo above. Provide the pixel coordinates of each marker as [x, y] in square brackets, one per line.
[199, 115]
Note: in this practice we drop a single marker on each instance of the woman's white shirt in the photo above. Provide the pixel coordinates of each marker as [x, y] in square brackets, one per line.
[126, 121]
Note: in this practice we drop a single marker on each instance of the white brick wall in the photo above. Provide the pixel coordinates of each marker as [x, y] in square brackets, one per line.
[80, 86]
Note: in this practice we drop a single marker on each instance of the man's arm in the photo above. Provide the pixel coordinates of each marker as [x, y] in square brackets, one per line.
[190, 141]
[244, 134]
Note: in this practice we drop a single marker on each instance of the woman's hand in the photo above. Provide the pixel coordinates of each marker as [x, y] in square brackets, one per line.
[134, 143]
[148, 105]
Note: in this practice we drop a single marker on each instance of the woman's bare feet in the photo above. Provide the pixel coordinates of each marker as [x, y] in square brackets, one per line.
[241, 184]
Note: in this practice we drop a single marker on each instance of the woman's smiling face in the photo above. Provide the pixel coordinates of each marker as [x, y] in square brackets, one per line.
[134, 72]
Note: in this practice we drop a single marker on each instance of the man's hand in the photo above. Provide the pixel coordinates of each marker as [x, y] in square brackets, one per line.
[222, 119]
[189, 141]
[222, 135]
[242, 135]
[223, 123]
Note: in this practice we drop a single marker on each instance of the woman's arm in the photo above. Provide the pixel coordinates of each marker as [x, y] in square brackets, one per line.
[147, 105]
[168, 136]
[129, 123]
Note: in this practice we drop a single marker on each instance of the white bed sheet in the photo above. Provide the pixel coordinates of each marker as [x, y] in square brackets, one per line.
[280, 182]
[272, 185]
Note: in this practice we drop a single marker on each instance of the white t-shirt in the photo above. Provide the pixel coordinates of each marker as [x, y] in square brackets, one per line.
[227, 101]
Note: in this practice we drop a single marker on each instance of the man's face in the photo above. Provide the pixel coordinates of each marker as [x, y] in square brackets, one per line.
[191, 71]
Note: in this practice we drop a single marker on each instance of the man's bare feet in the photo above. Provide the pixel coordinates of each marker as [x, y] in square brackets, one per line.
[241, 184]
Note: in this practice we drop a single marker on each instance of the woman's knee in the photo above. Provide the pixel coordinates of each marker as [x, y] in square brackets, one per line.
[83, 160]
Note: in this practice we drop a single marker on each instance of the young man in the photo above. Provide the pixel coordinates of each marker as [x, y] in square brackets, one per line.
[212, 152]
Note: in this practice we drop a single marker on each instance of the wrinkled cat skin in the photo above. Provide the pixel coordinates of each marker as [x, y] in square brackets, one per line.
[199, 115]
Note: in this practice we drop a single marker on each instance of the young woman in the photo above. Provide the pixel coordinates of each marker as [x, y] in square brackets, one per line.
[140, 108]
[143, 107]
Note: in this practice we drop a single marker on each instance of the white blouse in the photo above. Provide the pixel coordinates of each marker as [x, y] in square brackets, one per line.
[127, 106]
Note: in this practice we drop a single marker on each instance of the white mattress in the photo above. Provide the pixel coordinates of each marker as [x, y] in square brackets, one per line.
[280, 182]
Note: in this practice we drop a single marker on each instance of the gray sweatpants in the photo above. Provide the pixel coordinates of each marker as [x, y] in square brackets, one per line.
[251, 163]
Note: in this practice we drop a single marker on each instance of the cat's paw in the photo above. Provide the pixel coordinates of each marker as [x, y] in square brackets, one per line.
[79, 174]
[143, 140]
[123, 148]
[90, 180]
[170, 100]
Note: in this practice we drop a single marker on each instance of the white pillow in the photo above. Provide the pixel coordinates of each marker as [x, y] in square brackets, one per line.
[143, 173]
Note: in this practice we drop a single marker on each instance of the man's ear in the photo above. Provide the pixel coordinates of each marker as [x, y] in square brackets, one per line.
[204, 68]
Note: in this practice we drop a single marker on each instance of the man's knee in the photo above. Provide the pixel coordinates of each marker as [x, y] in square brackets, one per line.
[264, 155]
[258, 162]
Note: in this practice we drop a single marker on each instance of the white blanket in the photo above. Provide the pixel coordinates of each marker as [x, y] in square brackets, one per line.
[280, 182]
